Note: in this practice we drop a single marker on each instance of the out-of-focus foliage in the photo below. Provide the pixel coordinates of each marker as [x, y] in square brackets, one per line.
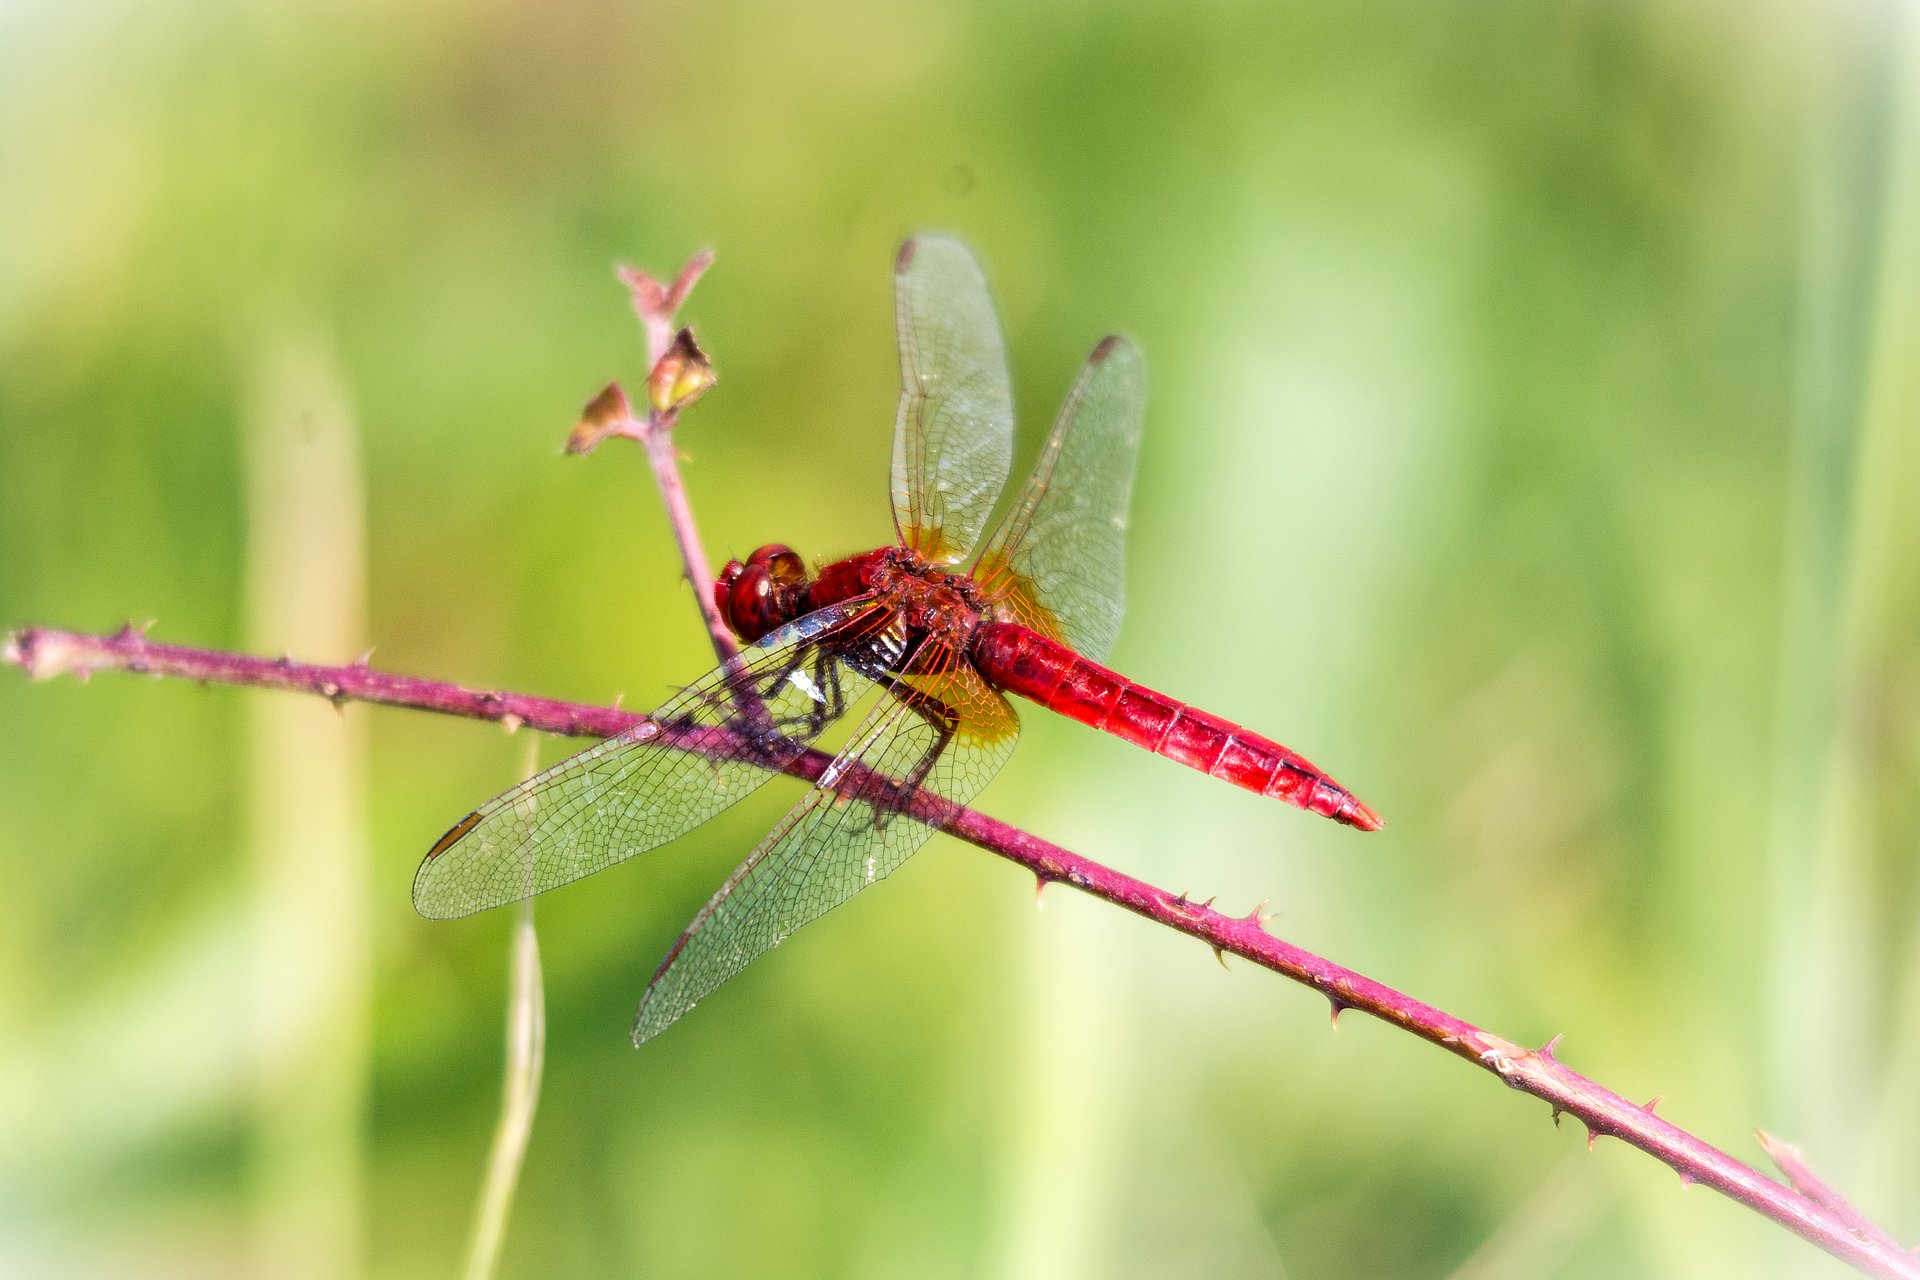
[1532, 441]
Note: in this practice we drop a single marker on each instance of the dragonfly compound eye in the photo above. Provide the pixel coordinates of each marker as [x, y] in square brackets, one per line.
[753, 603]
[723, 590]
[782, 563]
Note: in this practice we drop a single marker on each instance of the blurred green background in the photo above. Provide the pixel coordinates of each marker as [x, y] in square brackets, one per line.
[1534, 441]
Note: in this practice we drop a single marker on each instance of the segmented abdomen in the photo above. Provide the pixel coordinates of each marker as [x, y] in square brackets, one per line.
[1027, 663]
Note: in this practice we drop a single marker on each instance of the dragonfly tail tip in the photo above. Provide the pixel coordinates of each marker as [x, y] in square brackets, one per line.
[1355, 814]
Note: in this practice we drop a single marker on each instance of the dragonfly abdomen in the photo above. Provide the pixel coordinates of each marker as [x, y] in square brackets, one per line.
[1025, 662]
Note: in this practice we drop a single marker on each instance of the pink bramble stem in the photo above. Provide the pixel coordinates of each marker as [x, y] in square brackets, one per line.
[44, 653]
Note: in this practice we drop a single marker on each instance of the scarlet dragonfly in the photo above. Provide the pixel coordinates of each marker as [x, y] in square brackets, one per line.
[941, 624]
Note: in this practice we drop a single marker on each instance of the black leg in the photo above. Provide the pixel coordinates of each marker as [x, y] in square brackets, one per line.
[945, 722]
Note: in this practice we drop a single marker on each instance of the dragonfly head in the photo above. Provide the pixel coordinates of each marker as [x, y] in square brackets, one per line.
[763, 594]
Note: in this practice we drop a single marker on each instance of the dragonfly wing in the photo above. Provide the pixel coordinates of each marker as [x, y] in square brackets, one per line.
[953, 439]
[1057, 560]
[635, 791]
[845, 834]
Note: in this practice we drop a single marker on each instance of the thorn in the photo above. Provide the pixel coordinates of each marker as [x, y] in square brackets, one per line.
[286, 659]
[1546, 1050]
[1686, 1179]
[511, 723]
[1183, 907]
[491, 698]
[1208, 904]
[619, 698]
[1221, 955]
[1653, 1102]
[127, 631]
[1336, 1007]
[1040, 884]
[1259, 916]
[1557, 1113]
[363, 660]
[1593, 1136]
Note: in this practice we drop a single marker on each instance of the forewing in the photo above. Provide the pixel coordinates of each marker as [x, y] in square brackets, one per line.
[633, 792]
[953, 438]
[1057, 560]
[836, 843]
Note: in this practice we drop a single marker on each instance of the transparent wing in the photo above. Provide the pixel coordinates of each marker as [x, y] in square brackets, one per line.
[953, 439]
[836, 843]
[1058, 557]
[745, 719]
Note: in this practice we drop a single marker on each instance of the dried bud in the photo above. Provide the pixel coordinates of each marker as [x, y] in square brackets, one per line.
[682, 376]
[606, 414]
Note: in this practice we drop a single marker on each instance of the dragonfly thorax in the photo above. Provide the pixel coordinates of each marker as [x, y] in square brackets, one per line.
[926, 599]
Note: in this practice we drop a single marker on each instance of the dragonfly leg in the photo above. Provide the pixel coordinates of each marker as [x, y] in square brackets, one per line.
[945, 722]
[826, 678]
[752, 701]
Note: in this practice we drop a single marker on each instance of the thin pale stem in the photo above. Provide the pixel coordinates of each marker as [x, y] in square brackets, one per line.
[657, 305]
[520, 1095]
[657, 440]
[519, 1087]
[43, 652]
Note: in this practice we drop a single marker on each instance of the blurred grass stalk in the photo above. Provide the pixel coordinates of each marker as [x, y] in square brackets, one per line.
[313, 964]
[1059, 1170]
[1887, 607]
[1851, 488]
[520, 1091]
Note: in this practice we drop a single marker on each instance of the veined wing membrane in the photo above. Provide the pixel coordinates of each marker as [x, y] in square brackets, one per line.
[953, 438]
[743, 721]
[1058, 556]
[837, 842]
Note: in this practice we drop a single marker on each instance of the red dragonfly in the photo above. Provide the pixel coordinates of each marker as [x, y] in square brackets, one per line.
[942, 624]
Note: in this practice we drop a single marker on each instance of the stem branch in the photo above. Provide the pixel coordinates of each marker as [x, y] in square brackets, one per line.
[44, 652]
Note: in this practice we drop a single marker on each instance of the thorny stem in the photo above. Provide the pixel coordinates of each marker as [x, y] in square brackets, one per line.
[1790, 1162]
[44, 653]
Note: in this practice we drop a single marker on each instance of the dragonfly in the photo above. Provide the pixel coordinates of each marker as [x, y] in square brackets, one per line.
[936, 629]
